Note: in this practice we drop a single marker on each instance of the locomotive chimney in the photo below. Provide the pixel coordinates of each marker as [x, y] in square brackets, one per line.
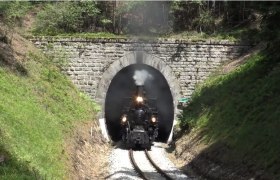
[139, 90]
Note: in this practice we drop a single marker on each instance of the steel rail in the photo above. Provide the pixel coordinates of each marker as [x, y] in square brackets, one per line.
[156, 167]
[135, 166]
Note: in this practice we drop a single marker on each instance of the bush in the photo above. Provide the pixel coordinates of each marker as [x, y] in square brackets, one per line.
[13, 12]
[65, 17]
[205, 22]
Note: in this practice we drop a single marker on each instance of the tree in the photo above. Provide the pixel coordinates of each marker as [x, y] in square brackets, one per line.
[143, 17]
[66, 17]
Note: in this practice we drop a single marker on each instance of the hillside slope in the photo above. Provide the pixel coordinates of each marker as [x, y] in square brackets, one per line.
[233, 122]
[39, 107]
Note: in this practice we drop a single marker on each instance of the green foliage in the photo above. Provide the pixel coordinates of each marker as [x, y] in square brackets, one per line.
[88, 36]
[144, 17]
[14, 11]
[129, 6]
[205, 22]
[105, 22]
[37, 112]
[241, 109]
[183, 14]
[224, 16]
[65, 17]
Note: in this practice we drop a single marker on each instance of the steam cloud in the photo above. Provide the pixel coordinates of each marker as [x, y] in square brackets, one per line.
[140, 76]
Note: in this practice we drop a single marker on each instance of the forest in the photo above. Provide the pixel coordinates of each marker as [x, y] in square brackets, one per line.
[152, 18]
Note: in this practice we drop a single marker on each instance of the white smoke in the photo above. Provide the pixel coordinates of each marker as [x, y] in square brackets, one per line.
[140, 76]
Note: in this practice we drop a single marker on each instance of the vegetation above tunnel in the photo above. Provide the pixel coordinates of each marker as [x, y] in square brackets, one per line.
[244, 20]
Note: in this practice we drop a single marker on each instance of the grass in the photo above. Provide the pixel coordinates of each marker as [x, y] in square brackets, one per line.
[241, 109]
[94, 35]
[37, 111]
[238, 34]
[232, 36]
[97, 35]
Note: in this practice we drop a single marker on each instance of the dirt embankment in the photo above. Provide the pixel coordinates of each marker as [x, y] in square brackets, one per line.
[87, 152]
[203, 160]
[85, 147]
[13, 49]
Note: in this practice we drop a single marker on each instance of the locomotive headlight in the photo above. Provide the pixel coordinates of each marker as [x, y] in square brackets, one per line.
[154, 119]
[139, 99]
[124, 119]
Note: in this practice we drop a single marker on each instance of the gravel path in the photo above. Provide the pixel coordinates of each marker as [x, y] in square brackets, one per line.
[121, 168]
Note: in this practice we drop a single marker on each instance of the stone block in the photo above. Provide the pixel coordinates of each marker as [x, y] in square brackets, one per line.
[192, 60]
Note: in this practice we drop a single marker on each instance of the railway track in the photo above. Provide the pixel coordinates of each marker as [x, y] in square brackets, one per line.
[154, 165]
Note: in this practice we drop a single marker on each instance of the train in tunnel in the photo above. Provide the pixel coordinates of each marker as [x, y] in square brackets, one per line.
[139, 121]
[121, 96]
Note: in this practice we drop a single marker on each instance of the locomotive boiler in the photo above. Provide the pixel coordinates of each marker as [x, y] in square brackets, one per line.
[139, 121]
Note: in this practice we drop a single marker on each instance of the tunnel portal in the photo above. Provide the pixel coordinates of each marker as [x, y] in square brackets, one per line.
[122, 87]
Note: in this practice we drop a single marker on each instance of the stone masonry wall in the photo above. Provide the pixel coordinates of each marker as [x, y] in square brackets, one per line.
[190, 61]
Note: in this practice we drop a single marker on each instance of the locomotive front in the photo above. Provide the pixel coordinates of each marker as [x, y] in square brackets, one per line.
[139, 122]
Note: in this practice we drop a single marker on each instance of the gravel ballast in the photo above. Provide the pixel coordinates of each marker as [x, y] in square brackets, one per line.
[121, 168]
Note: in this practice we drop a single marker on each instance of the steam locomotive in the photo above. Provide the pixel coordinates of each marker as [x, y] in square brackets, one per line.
[139, 121]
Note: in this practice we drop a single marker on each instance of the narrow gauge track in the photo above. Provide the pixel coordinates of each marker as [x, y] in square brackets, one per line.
[140, 172]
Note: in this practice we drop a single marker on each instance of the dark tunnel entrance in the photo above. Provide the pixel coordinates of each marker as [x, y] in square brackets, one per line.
[122, 87]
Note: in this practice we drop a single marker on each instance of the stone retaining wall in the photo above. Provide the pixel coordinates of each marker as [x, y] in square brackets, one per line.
[191, 62]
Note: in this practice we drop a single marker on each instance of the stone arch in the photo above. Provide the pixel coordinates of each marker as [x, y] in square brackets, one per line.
[133, 58]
